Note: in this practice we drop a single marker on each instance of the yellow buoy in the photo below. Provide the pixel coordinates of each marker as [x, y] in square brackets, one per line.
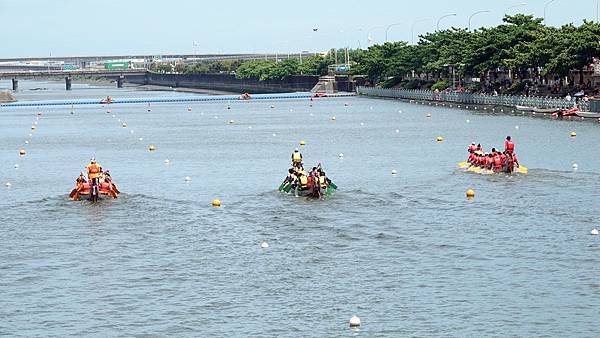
[470, 194]
[152, 147]
[439, 139]
[302, 143]
[216, 203]
[22, 152]
[573, 134]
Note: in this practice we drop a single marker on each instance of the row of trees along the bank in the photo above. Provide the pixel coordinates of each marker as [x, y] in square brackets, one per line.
[522, 47]
[260, 69]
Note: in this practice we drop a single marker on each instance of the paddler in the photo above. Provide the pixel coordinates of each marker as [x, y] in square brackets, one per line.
[80, 179]
[303, 181]
[504, 160]
[497, 162]
[323, 179]
[94, 170]
[472, 147]
[509, 146]
[297, 158]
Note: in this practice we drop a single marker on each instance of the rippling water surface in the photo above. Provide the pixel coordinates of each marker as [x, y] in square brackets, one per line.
[408, 254]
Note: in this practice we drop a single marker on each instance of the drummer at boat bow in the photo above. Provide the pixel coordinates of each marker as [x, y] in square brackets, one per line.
[94, 169]
[509, 146]
[297, 159]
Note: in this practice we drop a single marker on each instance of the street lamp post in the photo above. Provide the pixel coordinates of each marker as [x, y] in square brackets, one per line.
[472, 15]
[412, 30]
[369, 39]
[514, 6]
[546, 6]
[442, 17]
[387, 30]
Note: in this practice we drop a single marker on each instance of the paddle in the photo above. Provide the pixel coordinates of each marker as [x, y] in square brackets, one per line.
[114, 186]
[283, 184]
[73, 192]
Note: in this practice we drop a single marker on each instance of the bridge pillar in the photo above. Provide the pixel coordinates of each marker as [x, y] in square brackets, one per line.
[15, 85]
[68, 83]
[120, 81]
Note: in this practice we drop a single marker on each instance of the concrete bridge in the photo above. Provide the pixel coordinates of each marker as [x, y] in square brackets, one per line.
[119, 75]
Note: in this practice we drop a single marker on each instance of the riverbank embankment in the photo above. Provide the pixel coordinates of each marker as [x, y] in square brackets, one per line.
[502, 102]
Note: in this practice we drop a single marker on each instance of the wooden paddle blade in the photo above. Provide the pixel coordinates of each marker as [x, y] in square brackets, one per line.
[115, 189]
[73, 192]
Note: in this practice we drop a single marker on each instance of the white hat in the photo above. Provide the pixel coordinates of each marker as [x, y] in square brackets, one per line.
[296, 149]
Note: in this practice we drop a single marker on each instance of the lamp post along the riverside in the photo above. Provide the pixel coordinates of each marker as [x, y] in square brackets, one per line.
[472, 15]
[545, 7]
[440, 19]
[514, 6]
[412, 30]
[387, 29]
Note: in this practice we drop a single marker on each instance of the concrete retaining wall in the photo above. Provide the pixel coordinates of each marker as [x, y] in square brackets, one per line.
[227, 82]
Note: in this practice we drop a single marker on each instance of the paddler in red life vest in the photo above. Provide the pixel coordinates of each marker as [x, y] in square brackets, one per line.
[497, 161]
[94, 170]
[471, 159]
[472, 147]
[489, 161]
[509, 146]
[504, 160]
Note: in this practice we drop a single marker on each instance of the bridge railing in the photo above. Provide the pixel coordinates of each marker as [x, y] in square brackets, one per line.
[470, 98]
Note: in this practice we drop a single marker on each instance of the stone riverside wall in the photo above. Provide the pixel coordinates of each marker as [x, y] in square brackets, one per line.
[226, 82]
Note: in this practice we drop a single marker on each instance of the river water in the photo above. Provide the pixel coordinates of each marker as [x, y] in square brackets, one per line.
[408, 254]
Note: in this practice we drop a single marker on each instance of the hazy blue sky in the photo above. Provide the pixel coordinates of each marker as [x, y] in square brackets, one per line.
[82, 27]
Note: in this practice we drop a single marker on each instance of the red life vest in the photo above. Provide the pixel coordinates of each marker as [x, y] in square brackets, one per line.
[497, 161]
[105, 186]
[509, 146]
[503, 158]
[472, 147]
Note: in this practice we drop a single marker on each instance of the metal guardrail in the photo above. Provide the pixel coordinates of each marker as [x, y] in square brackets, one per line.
[483, 99]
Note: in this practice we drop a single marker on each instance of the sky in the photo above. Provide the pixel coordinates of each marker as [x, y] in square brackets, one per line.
[36, 28]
